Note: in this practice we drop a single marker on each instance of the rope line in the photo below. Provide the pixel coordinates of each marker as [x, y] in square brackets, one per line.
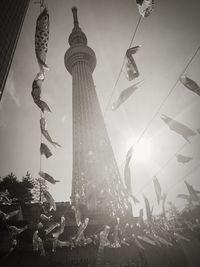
[160, 170]
[165, 99]
[118, 77]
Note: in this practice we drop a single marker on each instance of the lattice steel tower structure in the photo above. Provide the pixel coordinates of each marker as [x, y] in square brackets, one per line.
[95, 179]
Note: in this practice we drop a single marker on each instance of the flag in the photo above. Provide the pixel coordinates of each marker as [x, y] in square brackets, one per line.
[183, 159]
[45, 132]
[145, 7]
[50, 200]
[190, 84]
[42, 38]
[103, 241]
[148, 210]
[48, 177]
[44, 150]
[158, 190]
[125, 94]
[131, 67]
[178, 127]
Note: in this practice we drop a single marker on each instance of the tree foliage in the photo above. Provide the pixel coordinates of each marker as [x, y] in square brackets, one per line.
[19, 191]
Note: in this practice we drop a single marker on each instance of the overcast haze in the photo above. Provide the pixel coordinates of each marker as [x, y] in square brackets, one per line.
[169, 37]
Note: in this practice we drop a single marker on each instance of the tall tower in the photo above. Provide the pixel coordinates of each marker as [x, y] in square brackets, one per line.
[12, 14]
[95, 179]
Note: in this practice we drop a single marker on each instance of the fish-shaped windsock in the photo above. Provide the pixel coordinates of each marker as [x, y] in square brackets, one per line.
[44, 150]
[131, 67]
[148, 210]
[163, 241]
[52, 226]
[42, 38]
[50, 200]
[184, 196]
[145, 7]
[5, 197]
[158, 190]
[11, 214]
[82, 227]
[125, 94]
[137, 243]
[43, 125]
[129, 155]
[17, 231]
[36, 92]
[127, 180]
[164, 197]
[193, 193]
[183, 159]
[48, 177]
[36, 87]
[190, 84]
[178, 127]
[45, 218]
[103, 241]
[77, 215]
[147, 240]
[62, 227]
[181, 237]
[38, 244]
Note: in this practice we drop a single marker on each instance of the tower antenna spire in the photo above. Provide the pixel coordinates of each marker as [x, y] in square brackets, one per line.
[74, 11]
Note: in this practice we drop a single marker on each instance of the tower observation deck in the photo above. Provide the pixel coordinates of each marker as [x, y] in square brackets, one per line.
[95, 179]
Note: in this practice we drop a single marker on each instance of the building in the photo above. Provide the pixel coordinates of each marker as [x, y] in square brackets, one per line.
[12, 14]
[96, 179]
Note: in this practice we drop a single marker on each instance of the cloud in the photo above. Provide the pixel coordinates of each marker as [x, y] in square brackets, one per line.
[10, 88]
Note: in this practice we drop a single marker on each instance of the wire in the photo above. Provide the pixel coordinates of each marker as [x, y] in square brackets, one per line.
[160, 170]
[113, 91]
[162, 103]
[165, 99]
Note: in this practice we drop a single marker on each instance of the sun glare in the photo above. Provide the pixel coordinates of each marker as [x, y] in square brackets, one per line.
[142, 150]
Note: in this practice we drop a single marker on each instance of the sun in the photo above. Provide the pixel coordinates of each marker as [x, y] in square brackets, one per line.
[141, 151]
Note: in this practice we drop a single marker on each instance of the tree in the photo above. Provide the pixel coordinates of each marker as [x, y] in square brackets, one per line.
[19, 191]
[39, 186]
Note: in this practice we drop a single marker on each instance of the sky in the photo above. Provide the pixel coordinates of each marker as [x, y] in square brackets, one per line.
[168, 38]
